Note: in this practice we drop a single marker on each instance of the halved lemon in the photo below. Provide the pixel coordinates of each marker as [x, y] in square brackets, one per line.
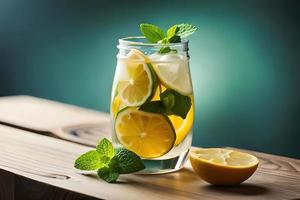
[223, 166]
[149, 135]
[174, 73]
[136, 82]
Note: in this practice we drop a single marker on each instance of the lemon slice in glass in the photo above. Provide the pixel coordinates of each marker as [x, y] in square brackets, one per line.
[173, 72]
[116, 106]
[223, 166]
[149, 135]
[182, 126]
[136, 81]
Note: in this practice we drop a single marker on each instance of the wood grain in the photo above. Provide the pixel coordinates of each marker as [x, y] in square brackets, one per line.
[29, 158]
[54, 119]
[15, 187]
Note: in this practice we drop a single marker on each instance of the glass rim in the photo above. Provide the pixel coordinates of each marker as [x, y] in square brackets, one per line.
[129, 41]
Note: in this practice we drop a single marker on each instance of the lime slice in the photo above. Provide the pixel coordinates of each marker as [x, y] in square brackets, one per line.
[173, 72]
[149, 135]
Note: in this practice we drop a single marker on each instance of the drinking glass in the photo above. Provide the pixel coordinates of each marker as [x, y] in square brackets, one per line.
[152, 104]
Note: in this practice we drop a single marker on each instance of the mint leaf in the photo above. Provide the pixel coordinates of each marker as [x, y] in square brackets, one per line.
[172, 34]
[185, 30]
[109, 162]
[128, 162]
[175, 39]
[91, 160]
[105, 148]
[108, 174]
[164, 50]
[153, 107]
[152, 32]
[172, 31]
[169, 101]
[175, 103]
[105, 160]
[163, 41]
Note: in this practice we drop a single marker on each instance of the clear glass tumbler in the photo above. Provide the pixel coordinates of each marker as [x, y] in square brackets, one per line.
[152, 104]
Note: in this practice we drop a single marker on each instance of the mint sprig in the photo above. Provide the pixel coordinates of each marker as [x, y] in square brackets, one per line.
[109, 162]
[170, 103]
[174, 34]
[105, 148]
[128, 162]
[152, 33]
[91, 160]
[185, 30]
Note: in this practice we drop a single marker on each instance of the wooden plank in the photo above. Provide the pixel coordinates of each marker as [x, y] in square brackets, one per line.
[15, 187]
[7, 185]
[55, 119]
[50, 161]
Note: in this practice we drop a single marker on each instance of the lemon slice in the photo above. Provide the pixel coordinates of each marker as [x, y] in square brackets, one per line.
[223, 166]
[136, 82]
[174, 73]
[149, 135]
[137, 55]
[116, 106]
[182, 126]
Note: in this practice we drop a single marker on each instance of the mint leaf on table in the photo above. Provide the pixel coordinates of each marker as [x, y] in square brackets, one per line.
[91, 160]
[105, 148]
[128, 162]
[152, 33]
[109, 162]
[108, 174]
[176, 103]
[185, 30]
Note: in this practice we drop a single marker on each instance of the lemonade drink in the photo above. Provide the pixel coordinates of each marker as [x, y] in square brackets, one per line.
[152, 105]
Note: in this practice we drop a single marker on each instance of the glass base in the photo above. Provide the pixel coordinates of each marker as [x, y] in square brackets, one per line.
[161, 166]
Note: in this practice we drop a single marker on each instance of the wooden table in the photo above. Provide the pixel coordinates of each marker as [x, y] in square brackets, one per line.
[36, 166]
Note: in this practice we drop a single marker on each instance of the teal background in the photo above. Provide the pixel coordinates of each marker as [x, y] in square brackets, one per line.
[244, 61]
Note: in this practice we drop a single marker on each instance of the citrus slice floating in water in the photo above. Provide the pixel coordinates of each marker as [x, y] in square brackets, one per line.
[136, 81]
[149, 135]
[173, 72]
[182, 126]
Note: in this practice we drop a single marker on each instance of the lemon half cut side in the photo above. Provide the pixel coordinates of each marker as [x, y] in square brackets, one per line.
[223, 166]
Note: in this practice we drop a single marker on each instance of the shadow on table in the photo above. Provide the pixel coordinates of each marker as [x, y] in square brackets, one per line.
[173, 183]
[242, 189]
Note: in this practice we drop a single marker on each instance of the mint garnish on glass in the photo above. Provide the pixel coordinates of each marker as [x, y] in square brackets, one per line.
[174, 34]
[109, 162]
[170, 103]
